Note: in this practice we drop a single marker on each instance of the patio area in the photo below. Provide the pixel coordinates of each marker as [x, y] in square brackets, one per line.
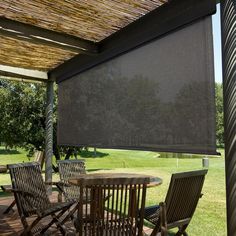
[10, 224]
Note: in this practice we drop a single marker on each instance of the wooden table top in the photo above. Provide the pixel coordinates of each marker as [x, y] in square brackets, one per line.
[109, 178]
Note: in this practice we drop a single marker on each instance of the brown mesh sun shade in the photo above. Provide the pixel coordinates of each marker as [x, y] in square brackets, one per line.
[156, 97]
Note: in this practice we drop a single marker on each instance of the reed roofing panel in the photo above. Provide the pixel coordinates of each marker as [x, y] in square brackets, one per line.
[89, 19]
[19, 53]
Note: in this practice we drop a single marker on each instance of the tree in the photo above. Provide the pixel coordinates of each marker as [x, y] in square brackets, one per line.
[219, 115]
[22, 114]
[22, 118]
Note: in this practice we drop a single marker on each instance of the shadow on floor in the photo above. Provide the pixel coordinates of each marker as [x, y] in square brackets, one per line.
[8, 152]
[91, 170]
[171, 233]
[92, 154]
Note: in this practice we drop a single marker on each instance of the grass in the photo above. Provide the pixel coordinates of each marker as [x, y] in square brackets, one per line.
[210, 216]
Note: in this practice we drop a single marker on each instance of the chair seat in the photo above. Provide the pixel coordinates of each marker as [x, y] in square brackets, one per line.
[152, 213]
[55, 207]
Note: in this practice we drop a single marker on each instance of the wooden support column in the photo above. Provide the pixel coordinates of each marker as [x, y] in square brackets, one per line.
[49, 135]
[228, 28]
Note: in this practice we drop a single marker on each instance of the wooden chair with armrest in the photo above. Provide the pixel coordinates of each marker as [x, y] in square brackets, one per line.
[31, 199]
[69, 169]
[39, 157]
[181, 201]
[120, 214]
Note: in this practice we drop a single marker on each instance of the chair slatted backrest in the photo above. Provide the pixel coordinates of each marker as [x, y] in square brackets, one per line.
[27, 177]
[70, 169]
[39, 156]
[183, 195]
[119, 214]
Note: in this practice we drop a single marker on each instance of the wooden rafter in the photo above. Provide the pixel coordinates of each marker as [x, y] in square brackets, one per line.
[14, 72]
[37, 35]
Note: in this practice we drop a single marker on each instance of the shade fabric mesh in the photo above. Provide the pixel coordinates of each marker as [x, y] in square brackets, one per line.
[159, 96]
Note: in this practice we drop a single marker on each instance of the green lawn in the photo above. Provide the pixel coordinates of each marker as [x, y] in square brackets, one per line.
[210, 216]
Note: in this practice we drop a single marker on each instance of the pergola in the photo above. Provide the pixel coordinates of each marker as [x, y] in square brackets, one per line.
[49, 41]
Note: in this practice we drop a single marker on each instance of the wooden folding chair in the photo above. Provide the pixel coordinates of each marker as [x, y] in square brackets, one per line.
[181, 201]
[32, 200]
[69, 169]
[120, 214]
[39, 157]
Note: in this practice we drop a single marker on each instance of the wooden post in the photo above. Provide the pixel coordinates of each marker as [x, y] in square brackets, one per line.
[49, 135]
[228, 31]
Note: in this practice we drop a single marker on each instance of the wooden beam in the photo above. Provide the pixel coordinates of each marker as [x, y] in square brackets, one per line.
[22, 73]
[37, 35]
[22, 80]
[164, 19]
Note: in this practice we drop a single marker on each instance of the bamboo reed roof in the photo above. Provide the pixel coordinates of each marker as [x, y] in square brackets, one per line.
[89, 19]
[93, 20]
[19, 53]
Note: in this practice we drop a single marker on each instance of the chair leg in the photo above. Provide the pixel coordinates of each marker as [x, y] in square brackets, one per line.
[161, 225]
[26, 234]
[56, 220]
[182, 231]
[43, 231]
[9, 208]
[53, 221]
[60, 224]
[70, 214]
[163, 220]
[155, 230]
[27, 230]
[25, 225]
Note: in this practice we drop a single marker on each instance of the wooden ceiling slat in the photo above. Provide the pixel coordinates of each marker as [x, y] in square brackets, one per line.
[27, 55]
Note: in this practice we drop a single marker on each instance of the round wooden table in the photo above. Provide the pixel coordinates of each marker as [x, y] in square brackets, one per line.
[152, 181]
[98, 196]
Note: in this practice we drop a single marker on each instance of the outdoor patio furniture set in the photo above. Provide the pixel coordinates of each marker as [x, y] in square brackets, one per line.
[102, 204]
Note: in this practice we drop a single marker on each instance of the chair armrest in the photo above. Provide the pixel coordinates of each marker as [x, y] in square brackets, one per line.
[161, 225]
[59, 185]
[163, 220]
[51, 182]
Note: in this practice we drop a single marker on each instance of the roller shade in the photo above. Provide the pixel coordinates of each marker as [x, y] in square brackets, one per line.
[156, 97]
